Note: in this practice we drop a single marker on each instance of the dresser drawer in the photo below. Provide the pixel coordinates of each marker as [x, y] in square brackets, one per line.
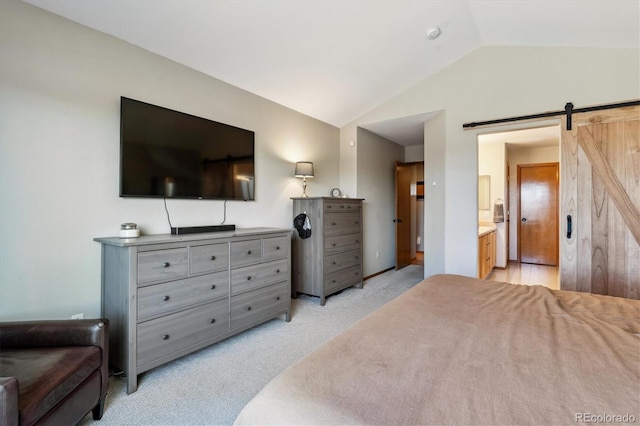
[208, 258]
[160, 299]
[246, 252]
[255, 276]
[275, 248]
[162, 265]
[165, 335]
[342, 206]
[341, 279]
[337, 262]
[254, 306]
[341, 223]
[341, 243]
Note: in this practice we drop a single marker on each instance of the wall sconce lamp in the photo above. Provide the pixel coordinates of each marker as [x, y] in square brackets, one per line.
[304, 169]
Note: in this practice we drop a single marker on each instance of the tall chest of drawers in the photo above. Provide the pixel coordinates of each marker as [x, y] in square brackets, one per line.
[170, 295]
[329, 260]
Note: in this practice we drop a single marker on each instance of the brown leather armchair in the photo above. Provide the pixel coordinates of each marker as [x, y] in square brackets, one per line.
[53, 372]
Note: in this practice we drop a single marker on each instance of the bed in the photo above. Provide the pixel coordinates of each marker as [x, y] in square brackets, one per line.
[458, 350]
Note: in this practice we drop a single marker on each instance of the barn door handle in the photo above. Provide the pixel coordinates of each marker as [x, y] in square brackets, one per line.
[569, 226]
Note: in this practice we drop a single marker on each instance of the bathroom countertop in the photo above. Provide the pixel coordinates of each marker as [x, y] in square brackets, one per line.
[485, 228]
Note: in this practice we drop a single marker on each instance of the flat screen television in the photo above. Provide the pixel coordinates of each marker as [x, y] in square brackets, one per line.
[170, 154]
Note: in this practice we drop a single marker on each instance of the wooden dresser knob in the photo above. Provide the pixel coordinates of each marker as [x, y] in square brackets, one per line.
[165, 337]
[213, 320]
[213, 258]
[213, 287]
[248, 251]
[248, 308]
[166, 264]
[166, 298]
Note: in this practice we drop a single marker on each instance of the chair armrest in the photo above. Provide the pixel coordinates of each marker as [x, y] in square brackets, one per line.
[31, 334]
[9, 409]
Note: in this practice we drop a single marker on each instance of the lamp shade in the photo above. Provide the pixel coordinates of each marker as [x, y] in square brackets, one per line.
[304, 169]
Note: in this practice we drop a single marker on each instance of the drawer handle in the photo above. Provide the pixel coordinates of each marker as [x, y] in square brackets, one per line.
[166, 298]
[248, 308]
[334, 244]
[166, 264]
[357, 241]
[213, 320]
[333, 263]
[213, 258]
[333, 223]
[277, 271]
[278, 298]
[277, 247]
[342, 207]
[357, 222]
[356, 273]
[213, 287]
[165, 337]
[248, 251]
[249, 278]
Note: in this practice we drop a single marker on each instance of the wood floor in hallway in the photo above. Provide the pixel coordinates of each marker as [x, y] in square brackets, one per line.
[528, 274]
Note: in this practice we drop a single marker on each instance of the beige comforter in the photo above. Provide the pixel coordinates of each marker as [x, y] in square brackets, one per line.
[455, 350]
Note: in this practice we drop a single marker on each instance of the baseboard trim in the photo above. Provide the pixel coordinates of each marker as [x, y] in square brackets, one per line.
[377, 273]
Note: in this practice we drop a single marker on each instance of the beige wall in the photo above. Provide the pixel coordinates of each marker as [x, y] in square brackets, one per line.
[60, 86]
[376, 158]
[490, 83]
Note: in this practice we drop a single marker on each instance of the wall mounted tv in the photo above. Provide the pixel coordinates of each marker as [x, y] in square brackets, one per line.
[170, 154]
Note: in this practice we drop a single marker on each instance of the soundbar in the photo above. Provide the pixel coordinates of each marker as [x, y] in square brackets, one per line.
[197, 229]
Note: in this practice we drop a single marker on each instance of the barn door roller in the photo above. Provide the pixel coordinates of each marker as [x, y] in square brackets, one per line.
[568, 111]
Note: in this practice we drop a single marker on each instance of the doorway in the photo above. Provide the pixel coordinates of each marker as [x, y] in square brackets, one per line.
[538, 213]
[409, 213]
[499, 156]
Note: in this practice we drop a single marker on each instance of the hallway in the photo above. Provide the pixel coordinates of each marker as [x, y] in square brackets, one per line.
[528, 274]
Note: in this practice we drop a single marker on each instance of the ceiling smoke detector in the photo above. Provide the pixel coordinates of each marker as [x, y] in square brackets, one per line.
[433, 33]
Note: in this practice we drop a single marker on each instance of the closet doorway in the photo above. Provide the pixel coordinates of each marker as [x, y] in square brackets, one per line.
[409, 212]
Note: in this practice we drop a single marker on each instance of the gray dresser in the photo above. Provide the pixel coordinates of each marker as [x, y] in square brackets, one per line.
[329, 260]
[169, 295]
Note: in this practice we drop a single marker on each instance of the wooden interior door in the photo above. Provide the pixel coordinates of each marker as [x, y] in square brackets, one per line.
[403, 214]
[538, 213]
[600, 251]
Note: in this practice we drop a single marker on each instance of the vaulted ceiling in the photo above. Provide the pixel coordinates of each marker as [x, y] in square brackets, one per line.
[337, 59]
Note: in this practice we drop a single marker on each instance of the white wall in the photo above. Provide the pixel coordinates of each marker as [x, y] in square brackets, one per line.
[490, 83]
[60, 86]
[376, 184]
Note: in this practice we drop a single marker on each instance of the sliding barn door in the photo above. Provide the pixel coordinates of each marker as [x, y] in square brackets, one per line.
[600, 211]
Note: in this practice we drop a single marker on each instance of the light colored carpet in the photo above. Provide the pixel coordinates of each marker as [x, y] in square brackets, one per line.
[210, 387]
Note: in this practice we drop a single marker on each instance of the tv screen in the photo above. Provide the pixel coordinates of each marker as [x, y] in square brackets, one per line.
[170, 154]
